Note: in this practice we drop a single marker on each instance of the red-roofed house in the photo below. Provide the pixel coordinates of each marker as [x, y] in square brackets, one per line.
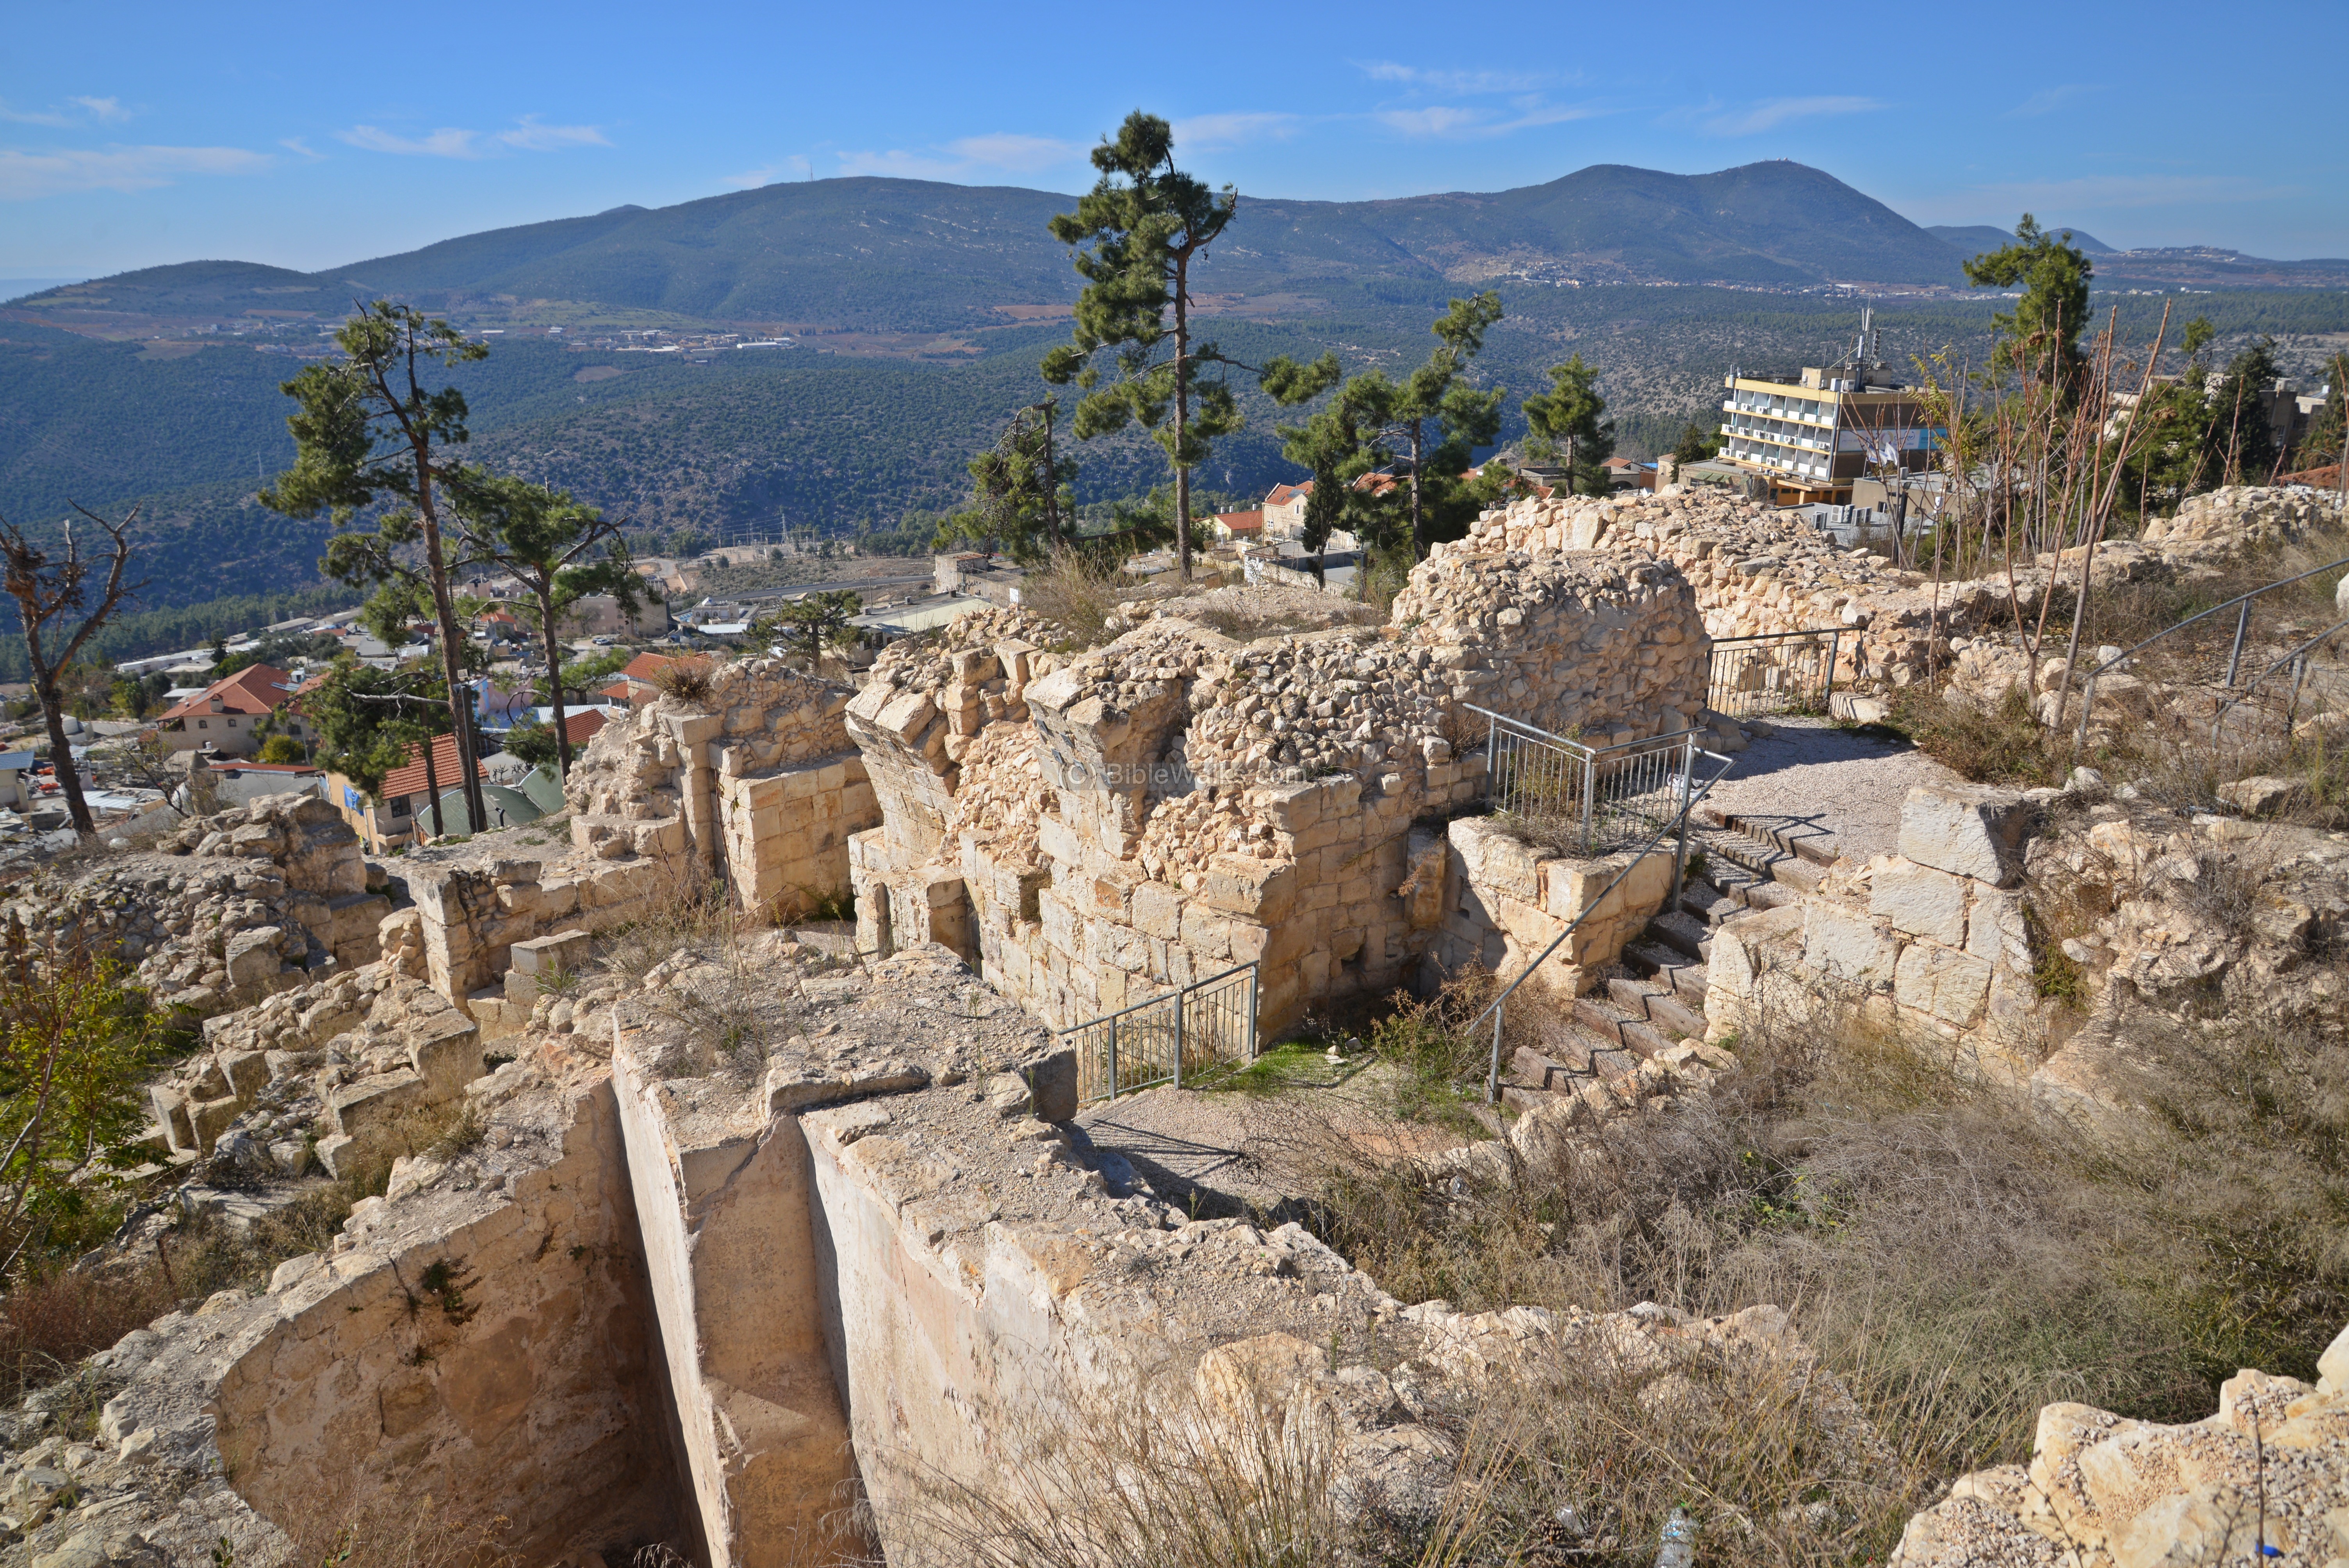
[1240, 527]
[225, 714]
[1284, 510]
[391, 813]
[635, 683]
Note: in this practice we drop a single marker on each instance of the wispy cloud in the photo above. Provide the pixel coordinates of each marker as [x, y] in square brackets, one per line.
[1456, 82]
[1222, 132]
[302, 149]
[83, 110]
[1771, 113]
[999, 151]
[24, 175]
[2047, 100]
[1453, 121]
[526, 135]
[793, 167]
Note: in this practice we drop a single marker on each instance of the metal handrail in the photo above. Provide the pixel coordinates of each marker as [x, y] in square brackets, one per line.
[1176, 996]
[1688, 797]
[2234, 659]
[2260, 679]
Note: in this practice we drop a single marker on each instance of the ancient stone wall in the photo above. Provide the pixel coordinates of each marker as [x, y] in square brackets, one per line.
[1934, 938]
[2258, 1481]
[1179, 803]
[226, 910]
[756, 780]
[1505, 900]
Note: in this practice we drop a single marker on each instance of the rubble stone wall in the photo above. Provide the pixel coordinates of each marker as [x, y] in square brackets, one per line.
[1178, 803]
[1505, 900]
[755, 780]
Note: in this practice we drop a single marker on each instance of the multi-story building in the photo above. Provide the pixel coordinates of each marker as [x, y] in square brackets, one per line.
[1813, 436]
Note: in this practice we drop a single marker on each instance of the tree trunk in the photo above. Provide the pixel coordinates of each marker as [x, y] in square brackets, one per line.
[1182, 413]
[545, 591]
[444, 609]
[61, 751]
[1051, 480]
[1418, 521]
[432, 784]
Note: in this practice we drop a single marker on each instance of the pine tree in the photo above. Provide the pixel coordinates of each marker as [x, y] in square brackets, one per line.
[369, 429]
[1021, 491]
[2042, 335]
[559, 549]
[1565, 421]
[1135, 236]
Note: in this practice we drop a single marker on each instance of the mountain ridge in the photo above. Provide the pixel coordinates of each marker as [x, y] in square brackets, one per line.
[879, 253]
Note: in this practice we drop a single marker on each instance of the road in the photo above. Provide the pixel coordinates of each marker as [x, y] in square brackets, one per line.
[858, 584]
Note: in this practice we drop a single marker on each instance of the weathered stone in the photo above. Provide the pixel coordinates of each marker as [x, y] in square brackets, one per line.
[2265, 795]
[1920, 900]
[1969, 830]
[1952, 986]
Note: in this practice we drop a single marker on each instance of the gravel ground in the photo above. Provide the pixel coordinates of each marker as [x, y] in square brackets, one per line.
[1815, 775]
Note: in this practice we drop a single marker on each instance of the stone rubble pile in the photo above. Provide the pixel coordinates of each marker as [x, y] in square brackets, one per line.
[225, 909]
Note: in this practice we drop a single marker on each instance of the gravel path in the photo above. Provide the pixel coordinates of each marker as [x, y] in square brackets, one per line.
[1811, 774]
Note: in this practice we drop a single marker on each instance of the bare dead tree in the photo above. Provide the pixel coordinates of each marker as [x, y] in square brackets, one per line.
[50, 592]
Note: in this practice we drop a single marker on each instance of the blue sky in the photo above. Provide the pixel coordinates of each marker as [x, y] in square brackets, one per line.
[137, 134]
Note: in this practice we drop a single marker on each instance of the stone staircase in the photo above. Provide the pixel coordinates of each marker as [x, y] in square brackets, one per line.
[1751, 863]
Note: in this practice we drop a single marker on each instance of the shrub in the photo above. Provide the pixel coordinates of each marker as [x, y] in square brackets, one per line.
[687, 680]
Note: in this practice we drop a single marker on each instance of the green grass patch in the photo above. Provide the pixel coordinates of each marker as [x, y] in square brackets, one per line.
[1292, 1065]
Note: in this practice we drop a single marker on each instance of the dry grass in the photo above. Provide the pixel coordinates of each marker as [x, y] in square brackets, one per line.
[1955, 1255]
[1077, 591]
[398, 1533]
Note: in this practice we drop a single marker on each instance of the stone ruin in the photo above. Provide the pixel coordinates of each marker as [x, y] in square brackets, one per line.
[770, 1223]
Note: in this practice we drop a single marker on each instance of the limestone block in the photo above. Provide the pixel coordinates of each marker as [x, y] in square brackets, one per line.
[1968, 828]
[247, 1073]
[1951, 985]
[564, 953]
[445, 1049]
[1920, 901]
[1998, 933]
[252, 957]
[1844, 945]
[2263, 794]
[208, 1118]
[372, 1103]
[1158, 909]
[171, 1108]
[1261, 890]
[1052, 1084]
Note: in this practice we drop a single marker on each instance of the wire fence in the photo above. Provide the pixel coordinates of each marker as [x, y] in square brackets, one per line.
[1581, 799]
[1777, 672]
[1209, 1023]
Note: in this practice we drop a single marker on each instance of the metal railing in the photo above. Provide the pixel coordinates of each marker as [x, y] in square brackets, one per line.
[1208, 1022]
[2240, 604]
[1777, 672]
[1690, 791]
[1601, 796]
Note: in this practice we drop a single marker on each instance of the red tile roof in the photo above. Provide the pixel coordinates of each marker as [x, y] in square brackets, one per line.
[409, 779]
[618, 691]
[1242, 522]
[254, 689]
[580, 727]
[642, 667]
[1281, 495]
